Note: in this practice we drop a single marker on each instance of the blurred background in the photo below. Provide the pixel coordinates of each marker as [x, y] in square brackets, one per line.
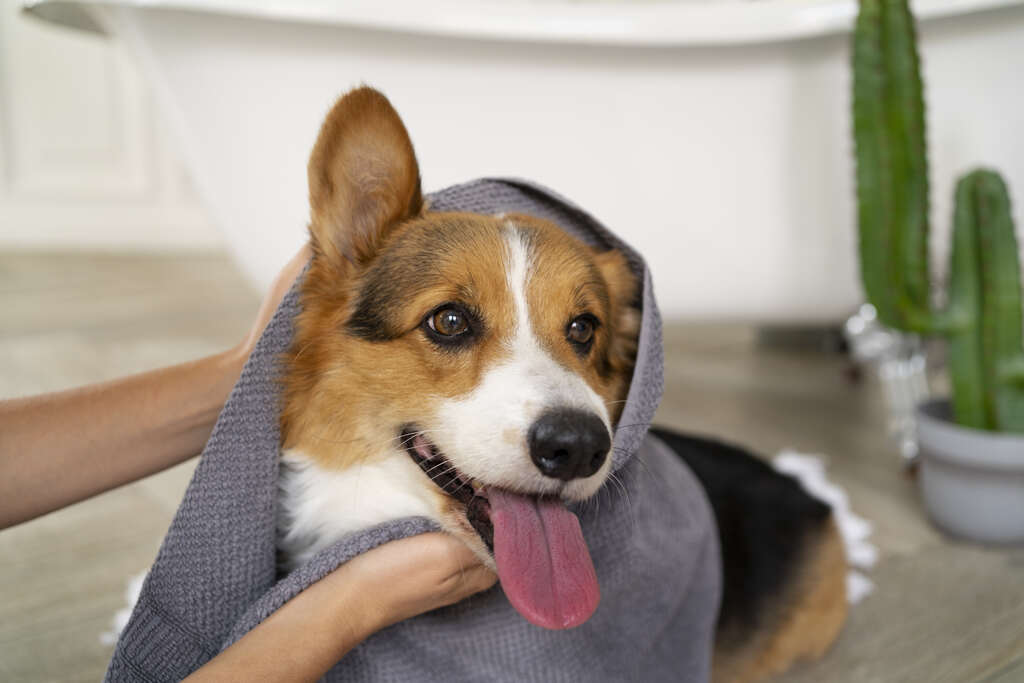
[152, 181]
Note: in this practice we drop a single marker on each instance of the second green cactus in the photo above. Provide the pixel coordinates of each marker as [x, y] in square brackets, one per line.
[982, 318]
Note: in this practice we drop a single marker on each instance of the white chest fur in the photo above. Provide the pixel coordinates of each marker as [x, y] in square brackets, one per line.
[319, 506]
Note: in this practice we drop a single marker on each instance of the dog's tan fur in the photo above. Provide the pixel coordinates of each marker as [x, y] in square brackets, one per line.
[800, 623]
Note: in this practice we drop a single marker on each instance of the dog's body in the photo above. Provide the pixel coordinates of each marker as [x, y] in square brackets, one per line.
[784, 592]
[471, 369]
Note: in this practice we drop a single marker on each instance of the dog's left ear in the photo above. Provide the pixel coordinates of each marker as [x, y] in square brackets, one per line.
[363, 177]
[618, 276]
[623, 290]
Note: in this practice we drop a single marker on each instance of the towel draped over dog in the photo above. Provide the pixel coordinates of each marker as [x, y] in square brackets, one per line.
[650, 531]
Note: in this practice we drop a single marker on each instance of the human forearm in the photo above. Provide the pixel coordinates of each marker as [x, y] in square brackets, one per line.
[61, 448]
[303, 639]
[311, 632]
[67, 446]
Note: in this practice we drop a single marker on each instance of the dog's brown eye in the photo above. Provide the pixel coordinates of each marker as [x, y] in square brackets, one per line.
[581, 330]
[449, 322]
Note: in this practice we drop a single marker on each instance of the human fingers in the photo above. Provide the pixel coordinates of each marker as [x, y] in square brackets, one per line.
[421, 573]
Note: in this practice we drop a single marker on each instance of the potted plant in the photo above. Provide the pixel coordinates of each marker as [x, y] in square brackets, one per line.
[972, 446]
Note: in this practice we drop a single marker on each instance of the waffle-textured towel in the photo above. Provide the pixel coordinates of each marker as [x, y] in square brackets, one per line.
[650, 532]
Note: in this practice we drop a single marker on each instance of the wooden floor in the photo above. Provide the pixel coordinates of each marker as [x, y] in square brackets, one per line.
[941, 611]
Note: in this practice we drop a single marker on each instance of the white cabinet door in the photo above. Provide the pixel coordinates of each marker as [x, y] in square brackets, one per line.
[84, 159]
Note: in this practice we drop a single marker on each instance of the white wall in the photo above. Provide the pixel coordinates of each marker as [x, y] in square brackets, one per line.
[84, 160]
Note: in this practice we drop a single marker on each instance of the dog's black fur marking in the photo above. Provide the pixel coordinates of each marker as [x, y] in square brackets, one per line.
[765, 522]
[400, 271]
[369, 322]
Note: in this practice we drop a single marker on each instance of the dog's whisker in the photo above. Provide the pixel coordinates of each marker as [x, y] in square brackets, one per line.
[431, 470]
[625, 494]
[644, 464]
[634, 426]
[434, 475]
[595, 503]
[402, 439]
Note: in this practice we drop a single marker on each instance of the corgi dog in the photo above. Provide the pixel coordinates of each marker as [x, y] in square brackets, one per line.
[471, 369]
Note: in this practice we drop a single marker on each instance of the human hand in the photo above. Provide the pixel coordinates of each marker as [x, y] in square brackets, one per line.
[414, 575]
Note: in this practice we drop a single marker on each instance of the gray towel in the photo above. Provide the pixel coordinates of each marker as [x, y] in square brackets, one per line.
[650, 532]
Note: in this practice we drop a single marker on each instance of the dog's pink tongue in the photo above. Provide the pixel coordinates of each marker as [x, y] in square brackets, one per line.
[543, 561]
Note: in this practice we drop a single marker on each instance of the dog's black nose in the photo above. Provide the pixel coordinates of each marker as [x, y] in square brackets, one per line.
[568, 444]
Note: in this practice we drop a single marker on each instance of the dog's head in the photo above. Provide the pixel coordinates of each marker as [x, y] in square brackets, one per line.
[490, 354]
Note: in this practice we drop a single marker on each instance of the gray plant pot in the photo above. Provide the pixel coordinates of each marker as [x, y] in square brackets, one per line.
[972, 480]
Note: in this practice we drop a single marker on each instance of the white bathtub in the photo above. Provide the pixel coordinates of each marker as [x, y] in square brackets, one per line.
[714, 135]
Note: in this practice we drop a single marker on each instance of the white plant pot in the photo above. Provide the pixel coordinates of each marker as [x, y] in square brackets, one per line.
[972, 480]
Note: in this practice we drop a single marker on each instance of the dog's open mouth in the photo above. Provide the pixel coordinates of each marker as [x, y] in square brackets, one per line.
[543, 562]
[448, 479]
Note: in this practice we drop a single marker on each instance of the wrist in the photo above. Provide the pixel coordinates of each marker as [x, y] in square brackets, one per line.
[230, 364]
[224, 369]
[358, 607]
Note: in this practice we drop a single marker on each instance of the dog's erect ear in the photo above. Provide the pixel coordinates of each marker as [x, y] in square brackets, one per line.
[623, 289]
[622, 283]
[363, 177]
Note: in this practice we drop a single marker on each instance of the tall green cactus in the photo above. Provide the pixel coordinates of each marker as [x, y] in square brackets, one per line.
[982, 318]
